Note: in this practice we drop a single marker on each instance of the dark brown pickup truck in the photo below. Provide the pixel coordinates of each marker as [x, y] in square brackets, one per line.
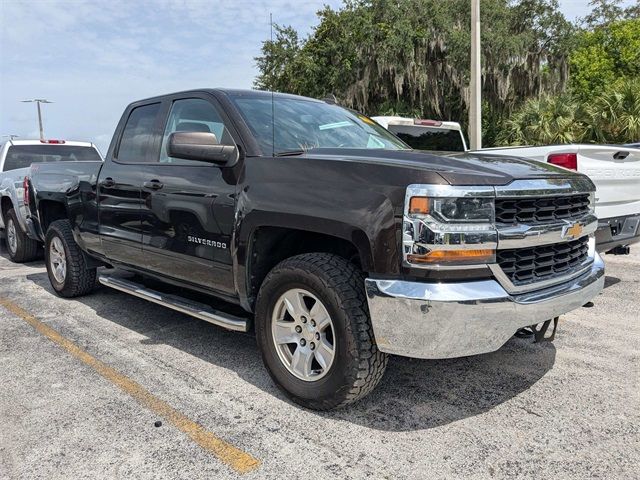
[322, 231]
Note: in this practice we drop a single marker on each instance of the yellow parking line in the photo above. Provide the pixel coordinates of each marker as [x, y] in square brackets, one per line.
[240, 461]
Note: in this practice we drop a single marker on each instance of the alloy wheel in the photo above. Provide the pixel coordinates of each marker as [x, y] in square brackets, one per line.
[303, 334]
[12, 237]
[57, 260]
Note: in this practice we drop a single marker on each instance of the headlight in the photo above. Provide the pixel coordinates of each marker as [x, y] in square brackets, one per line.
[454, 210]
[448, 230]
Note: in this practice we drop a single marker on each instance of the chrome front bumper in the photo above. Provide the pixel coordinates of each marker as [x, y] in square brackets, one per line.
[447, 320]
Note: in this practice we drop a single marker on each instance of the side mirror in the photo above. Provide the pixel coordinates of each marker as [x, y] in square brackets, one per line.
[202, 147]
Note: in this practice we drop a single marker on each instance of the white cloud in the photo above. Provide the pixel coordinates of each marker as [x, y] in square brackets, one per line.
[92, 58]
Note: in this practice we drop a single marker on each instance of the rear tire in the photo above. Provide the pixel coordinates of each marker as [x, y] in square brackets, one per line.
[66, 266]
[21, 248]
[355, 365]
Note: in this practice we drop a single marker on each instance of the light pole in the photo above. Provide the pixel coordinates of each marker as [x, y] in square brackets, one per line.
[38, 101]
[11, 136]
[475, 105]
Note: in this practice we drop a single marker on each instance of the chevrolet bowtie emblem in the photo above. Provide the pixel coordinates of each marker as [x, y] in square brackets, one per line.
[572, 231]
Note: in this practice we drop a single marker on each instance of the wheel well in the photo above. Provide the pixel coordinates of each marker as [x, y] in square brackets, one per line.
[50, 211]
[270, 245]
[5, 206]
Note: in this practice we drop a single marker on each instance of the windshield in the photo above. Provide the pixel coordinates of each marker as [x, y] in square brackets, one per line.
[305, 124]
[21, 156]
[426, 138]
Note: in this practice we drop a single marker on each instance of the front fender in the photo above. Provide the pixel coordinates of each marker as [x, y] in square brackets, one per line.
[365, 218]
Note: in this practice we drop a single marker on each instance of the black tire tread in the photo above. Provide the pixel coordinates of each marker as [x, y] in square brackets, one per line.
[80, 278]
[347, 282]
[27, 250]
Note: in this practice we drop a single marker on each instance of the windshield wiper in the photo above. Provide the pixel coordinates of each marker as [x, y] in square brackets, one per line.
[288, 153]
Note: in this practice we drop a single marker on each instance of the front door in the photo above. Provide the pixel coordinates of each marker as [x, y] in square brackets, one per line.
[188, 206]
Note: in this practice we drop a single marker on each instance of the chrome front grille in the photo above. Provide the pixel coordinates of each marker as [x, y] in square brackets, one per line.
[528, 265]
[533, 210]
[531, 243]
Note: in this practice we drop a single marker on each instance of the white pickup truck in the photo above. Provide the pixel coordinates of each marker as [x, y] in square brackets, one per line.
[614, 169]
[16, 158]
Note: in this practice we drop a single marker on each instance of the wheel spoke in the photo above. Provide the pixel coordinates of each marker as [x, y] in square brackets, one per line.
[294, 304]
[320, 315]
[301, 362]
[284, 332]
[57, 246]
[324, 353]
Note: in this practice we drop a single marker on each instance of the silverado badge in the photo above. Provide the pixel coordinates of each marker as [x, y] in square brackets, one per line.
[571, 231]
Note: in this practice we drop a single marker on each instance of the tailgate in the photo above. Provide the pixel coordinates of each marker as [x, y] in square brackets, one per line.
[616, 174]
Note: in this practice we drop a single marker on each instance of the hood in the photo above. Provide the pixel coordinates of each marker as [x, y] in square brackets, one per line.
[469, 168]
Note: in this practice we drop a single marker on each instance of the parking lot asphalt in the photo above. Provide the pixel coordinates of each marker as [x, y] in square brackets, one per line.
[85, 382]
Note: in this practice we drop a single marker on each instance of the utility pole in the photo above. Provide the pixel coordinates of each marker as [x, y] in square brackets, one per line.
[475, 94]
[38, 101]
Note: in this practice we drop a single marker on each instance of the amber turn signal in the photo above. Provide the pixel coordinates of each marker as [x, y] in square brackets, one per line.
[449, 256]
[419, 205]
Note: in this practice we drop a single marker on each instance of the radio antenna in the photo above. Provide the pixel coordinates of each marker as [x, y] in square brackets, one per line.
[273, 106]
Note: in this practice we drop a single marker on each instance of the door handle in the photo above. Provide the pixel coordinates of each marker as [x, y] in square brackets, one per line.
[108, 183]
[153, 184]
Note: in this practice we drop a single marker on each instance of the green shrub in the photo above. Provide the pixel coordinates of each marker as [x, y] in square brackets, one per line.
[613, 116]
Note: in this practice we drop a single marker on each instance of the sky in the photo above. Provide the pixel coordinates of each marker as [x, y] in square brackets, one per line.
[94, 57]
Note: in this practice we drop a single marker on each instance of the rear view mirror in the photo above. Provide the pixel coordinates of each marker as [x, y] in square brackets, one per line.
[201, 146]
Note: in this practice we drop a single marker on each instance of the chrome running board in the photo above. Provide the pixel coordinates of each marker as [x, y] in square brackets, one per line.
[180, 304]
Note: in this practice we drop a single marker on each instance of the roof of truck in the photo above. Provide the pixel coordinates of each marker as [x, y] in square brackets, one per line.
[232, 92]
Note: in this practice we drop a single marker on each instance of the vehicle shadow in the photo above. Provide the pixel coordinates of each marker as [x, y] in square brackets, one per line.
[413, 395]
[610, 281]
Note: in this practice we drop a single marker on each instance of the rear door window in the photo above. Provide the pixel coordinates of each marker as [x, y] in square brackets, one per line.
[139, 135]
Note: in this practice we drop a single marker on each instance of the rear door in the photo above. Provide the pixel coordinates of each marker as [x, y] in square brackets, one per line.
[119, 198]
[188, 206]
[616, 174]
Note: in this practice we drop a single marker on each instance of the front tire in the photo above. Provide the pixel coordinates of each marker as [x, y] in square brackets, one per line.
[21, 248]
[314, 332]
[66, 266]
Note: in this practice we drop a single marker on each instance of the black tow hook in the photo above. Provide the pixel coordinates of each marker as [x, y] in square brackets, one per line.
[620, 250]
[539, 331]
